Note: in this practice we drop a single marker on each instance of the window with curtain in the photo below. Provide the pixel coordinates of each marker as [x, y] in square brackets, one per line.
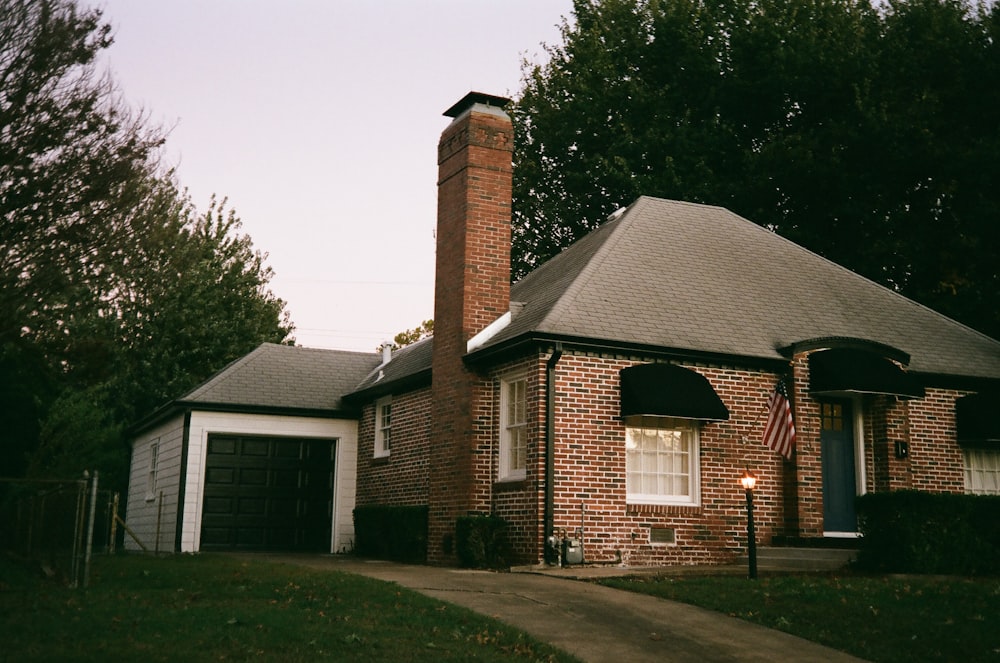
[661, 460]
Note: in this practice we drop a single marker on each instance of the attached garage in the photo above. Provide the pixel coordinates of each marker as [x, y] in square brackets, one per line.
[267, 493]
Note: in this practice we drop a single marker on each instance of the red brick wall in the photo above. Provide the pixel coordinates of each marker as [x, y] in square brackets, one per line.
[887, 422]
[808, 485]
[590, 464]
[472, 289]
[521, 503]
[590, 471]
[935, 457]
[401, 478]
[590, 461]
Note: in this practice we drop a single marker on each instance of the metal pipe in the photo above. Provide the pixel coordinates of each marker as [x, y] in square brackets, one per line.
[550, 434]
[90, 530]
[751, 537]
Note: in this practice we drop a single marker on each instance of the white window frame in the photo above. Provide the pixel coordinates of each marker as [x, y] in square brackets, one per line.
[383, 427]
[152, 469]
[644, 426]
[981, 469]
[513, 428]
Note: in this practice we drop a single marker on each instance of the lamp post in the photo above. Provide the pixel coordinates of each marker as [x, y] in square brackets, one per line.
[748, 480]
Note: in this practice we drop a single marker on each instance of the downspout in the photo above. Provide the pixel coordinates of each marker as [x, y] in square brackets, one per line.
[550, 435]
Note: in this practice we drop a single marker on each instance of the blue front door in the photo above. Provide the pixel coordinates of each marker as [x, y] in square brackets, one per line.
[837, 456]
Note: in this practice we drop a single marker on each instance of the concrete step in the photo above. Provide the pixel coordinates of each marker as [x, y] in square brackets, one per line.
[786, 558]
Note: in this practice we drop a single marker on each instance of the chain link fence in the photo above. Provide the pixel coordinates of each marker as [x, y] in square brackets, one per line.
[57, 525]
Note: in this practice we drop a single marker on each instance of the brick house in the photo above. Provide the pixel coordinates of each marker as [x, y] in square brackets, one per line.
[621, 389]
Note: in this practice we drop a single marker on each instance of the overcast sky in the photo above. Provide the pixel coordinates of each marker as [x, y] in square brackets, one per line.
[319, 120]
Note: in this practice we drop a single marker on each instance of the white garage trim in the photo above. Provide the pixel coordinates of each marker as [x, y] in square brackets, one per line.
[345, 432]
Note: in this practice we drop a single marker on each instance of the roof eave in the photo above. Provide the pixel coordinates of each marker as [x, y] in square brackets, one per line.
[518, 345]
[410, 382]
[180, 407]
[957, 382]
[273, 410]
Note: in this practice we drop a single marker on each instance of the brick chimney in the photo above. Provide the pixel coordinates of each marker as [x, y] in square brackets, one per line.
[472, 289]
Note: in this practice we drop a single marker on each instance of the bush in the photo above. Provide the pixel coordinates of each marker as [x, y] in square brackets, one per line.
[482, 542]
[916, 532]
[397, 533]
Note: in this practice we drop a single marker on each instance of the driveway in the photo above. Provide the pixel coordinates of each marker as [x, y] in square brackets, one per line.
[596, 624]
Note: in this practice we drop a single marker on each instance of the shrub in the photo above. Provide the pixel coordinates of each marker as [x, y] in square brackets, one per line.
[397, 533]
[917, 532]
[482, 542]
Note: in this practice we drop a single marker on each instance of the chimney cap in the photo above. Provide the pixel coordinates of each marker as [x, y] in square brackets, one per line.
[473, 98]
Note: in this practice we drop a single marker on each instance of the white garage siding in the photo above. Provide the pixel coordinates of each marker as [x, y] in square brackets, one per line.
[144, 491]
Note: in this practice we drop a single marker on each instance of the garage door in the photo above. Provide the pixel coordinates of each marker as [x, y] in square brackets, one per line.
[267, 493]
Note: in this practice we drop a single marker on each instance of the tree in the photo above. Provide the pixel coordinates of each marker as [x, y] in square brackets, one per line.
[116, 294]
[71, 154]
[867, 134]
[187, 298]
[192, 299]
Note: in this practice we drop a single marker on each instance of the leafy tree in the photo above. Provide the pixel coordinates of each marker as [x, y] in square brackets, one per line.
[189, 297]
[116, 294]
[867, 133]
[193, 298]
[70, 153]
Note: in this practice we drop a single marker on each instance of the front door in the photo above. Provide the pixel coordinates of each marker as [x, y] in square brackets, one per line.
[837, 455]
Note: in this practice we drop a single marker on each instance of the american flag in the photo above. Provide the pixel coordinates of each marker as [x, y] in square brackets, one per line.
[779, 432]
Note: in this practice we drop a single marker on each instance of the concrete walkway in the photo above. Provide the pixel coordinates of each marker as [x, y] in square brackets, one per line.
[592, 622]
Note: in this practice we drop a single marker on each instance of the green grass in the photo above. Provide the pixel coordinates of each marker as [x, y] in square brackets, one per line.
[883, 619]
[220, 608]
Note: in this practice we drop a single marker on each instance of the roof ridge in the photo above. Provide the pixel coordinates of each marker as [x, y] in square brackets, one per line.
[217, 377]
[614, 231]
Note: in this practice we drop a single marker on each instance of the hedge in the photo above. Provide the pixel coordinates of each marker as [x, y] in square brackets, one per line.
[397, 533]
[917, 532]
[482, 542]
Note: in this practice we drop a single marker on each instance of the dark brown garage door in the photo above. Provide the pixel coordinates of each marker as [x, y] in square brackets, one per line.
[267, 493]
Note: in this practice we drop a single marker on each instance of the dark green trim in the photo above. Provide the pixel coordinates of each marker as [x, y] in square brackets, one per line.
[536, 342]
[957, 382]
[846, 342]
[177, 407]
[410, 382]
[181, 487]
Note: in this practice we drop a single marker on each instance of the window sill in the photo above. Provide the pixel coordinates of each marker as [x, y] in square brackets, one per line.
[510, 484]
[381, 460]
[637, 508]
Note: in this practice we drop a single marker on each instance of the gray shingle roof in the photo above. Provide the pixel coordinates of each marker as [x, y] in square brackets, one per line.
[406, 362]
[281, 376]
[700, 278]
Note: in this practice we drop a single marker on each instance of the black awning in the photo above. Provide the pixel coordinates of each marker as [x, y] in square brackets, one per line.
[978, 420]
[667, 390]
[849, 370]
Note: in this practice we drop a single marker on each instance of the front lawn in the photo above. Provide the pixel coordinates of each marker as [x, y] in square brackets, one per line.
[883, 619]
[220, 608]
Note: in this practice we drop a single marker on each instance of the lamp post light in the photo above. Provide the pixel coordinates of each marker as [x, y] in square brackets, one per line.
[748, 480]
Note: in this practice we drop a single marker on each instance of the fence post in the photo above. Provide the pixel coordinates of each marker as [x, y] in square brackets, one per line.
[159, 516]
[81, 505]
[90, 530]
[113, 542]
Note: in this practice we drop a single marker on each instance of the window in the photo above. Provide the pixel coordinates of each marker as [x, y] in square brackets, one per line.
[513, 428]
[383, 426]
[661, 460]
[982, 471]
[154, 453]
